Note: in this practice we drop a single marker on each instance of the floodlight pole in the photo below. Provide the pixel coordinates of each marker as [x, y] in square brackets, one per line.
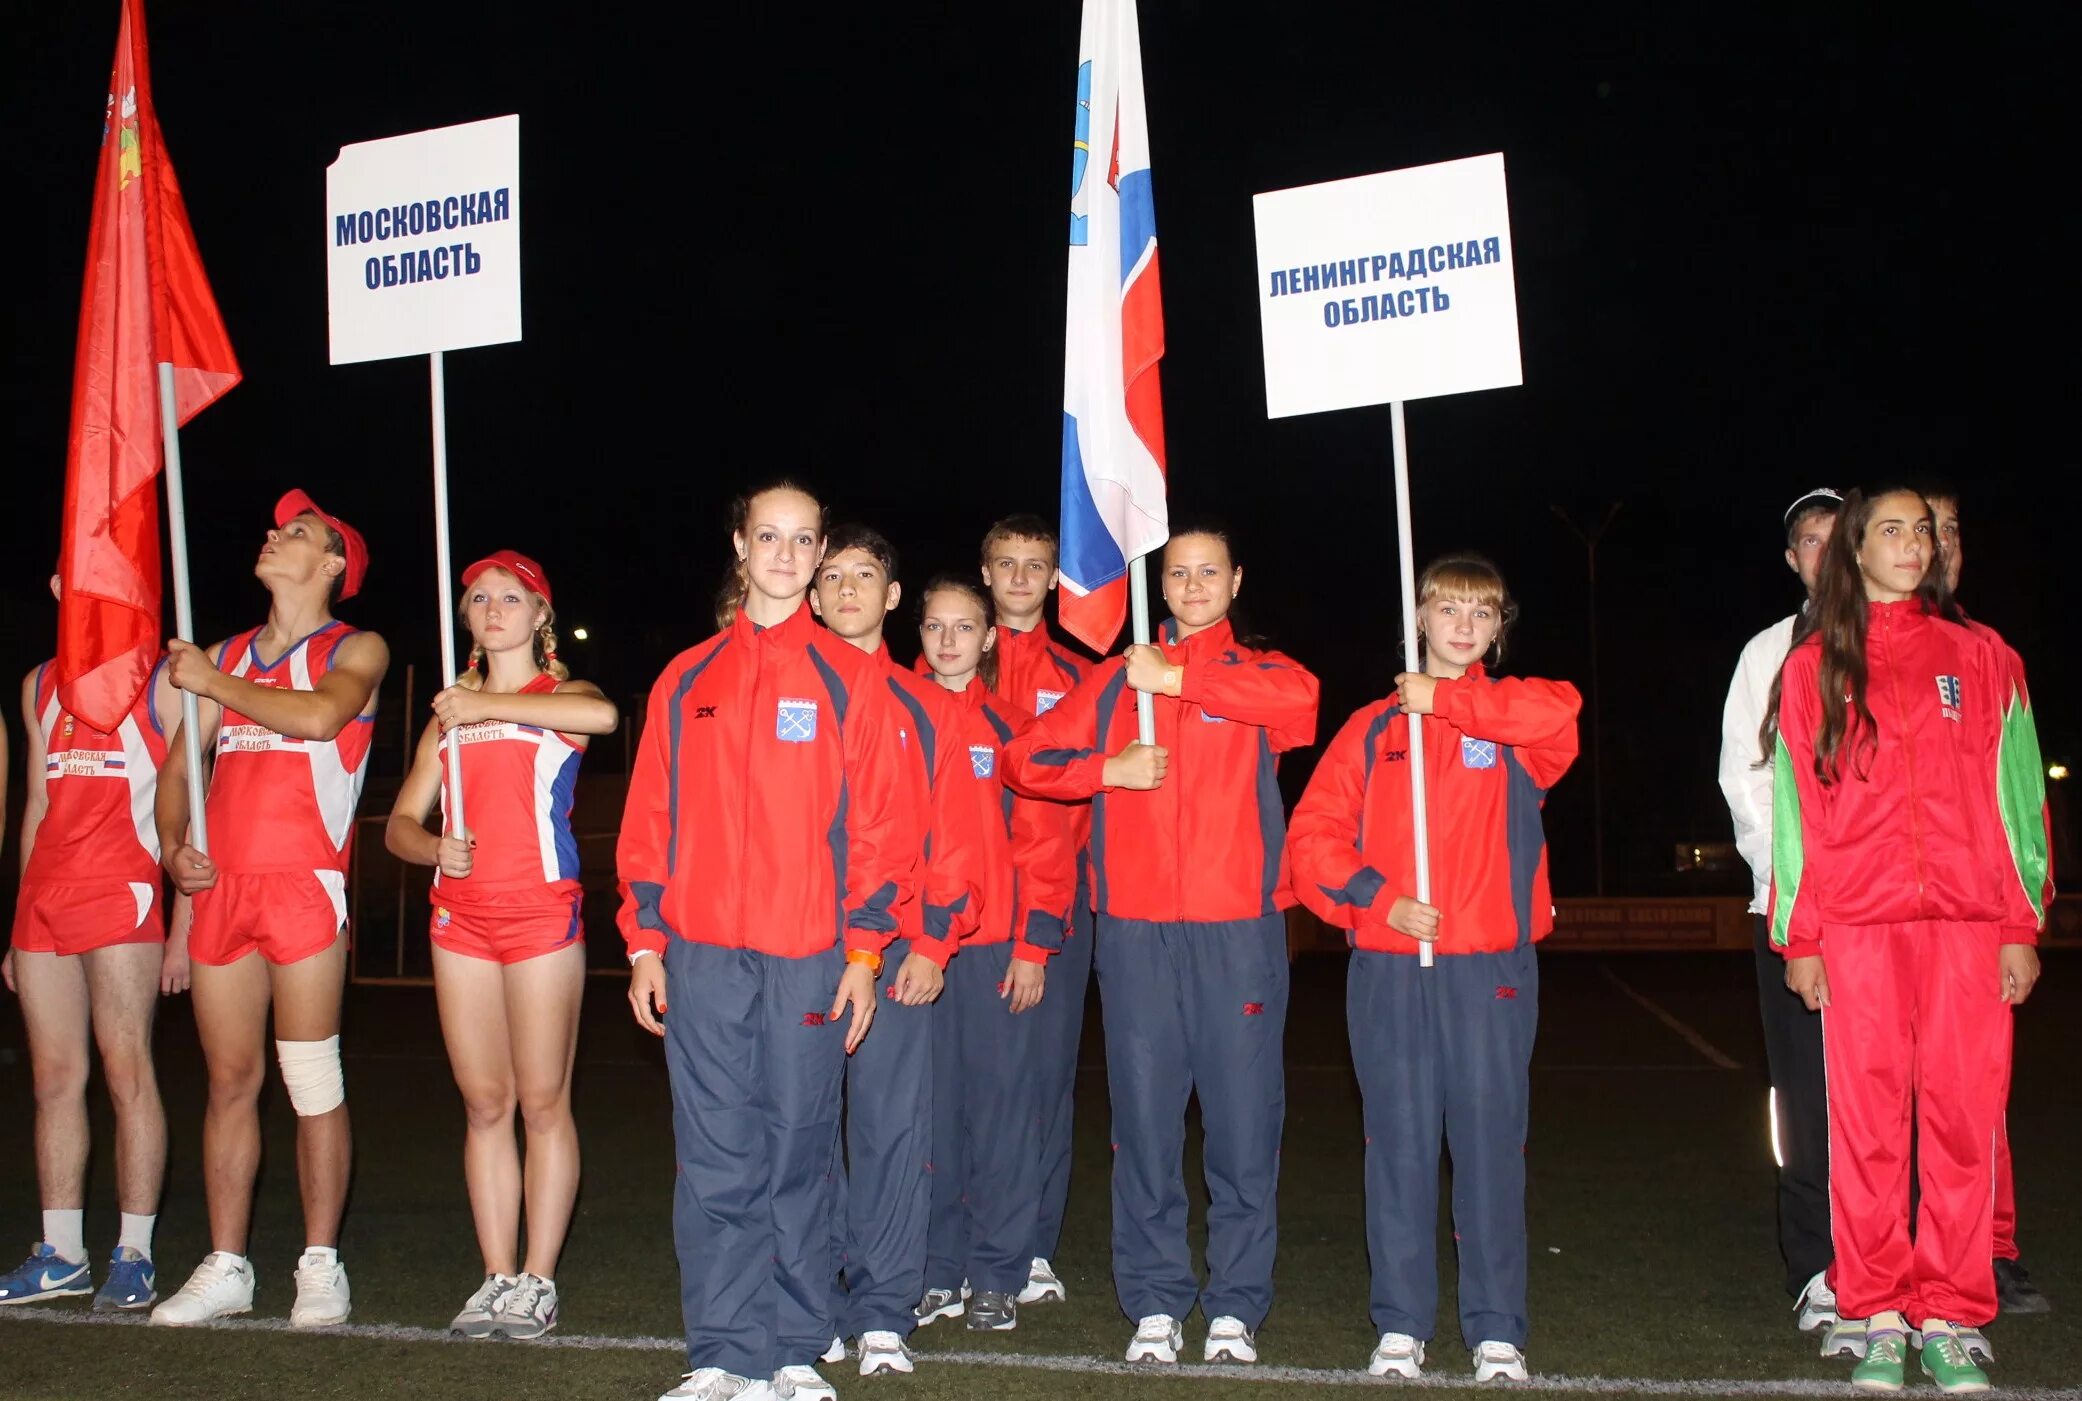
[1597, 728]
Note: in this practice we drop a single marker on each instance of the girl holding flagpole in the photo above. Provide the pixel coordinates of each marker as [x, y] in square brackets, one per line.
[1189, 886]
[509, 952]
[1444, 1051]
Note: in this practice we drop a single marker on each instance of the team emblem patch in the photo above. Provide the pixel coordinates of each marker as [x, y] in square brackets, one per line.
[1948, 696]
[983, 760]
[1477, 753]
[1044, 701]
[795, 721]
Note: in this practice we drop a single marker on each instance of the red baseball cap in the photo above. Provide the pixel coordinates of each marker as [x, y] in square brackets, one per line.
[515, 563]
[298, 503]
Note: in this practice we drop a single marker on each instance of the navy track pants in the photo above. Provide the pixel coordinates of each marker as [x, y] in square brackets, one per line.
[1195, 1005]
[1445, 1052]
[885, 1192]
[755, 1070]
[986, 1128]
[1055, 1066]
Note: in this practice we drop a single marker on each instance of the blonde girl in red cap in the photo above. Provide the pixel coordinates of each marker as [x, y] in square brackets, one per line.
[509, 955]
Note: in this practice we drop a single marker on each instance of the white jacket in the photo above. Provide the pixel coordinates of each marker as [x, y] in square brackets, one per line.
[1745, 779]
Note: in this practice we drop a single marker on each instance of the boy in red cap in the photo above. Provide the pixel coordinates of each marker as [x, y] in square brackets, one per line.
[289, 706]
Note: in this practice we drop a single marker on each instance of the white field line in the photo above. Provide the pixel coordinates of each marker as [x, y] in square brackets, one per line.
[1683, 1029]
[1083, 1366]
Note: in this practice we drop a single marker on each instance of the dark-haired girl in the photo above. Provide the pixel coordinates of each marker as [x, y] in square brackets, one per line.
[1443, 1052]
[767, 842]
[987, 1088]
[1908, 858]
[1189, 886]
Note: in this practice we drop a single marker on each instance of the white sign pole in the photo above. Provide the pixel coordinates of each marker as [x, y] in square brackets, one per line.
[1384, 288]
[441, 567]
[423, 256]
[184, 602]
[1419, 825]
[1138, 623]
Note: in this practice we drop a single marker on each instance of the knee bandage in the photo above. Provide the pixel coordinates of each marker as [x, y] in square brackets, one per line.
[311, 1074]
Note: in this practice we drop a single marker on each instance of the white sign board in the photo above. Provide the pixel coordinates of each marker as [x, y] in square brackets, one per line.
[1389, 286]
[422, 241]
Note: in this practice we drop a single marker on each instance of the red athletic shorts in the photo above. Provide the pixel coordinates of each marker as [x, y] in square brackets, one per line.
[285, 916]
[53, 917]
[508, 928]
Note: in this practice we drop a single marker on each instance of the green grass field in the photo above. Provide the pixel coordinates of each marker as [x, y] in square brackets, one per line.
[1653, 1256]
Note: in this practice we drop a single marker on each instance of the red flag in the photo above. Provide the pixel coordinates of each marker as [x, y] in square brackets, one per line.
[145, 300]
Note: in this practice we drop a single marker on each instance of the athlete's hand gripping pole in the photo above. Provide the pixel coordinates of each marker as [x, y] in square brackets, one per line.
[184, 603]
[1419, 834]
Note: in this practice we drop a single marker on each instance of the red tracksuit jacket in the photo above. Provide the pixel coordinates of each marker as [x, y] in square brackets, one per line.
[767, 808]
[1209, 844]
[1947, 822]
[1030, 904]
[1035, 671]
[1492, 749]
[956, 863]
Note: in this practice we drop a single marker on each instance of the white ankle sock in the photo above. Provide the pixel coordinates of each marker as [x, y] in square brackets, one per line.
[66, 1233]
[326, 1254]
[137, 1233]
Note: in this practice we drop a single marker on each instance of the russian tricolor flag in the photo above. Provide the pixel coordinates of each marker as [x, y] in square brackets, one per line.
[1113, 415]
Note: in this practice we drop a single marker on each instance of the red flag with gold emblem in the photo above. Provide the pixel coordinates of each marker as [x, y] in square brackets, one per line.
[145, 300]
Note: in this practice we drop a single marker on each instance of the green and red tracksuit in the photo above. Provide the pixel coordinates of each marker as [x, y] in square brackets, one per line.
[1189, 883]
[1905, 872]
[1443, 1052]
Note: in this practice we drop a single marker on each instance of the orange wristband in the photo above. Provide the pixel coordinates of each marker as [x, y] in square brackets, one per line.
[872, 961]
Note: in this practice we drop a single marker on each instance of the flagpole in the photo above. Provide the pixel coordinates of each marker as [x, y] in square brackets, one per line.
[439, 385]
[1419, 828]
[1138, 623]
[184, 604]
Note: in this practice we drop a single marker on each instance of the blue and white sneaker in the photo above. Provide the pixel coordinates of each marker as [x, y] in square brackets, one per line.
[130, 1284]
[45, 1275]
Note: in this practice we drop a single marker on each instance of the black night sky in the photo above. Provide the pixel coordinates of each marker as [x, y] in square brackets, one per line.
[1754, 254]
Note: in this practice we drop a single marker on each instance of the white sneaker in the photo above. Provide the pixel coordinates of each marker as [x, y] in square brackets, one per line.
[221, 1286]
[1398, 1354]
[882, 1351]
[836, 1352]
[1229, 1341]
[475, 1319]
[715, 1384]
[1157, 1339]
[800, 1383]
[1495, 1361]
[1845, 1338]
[1042, 1285]
[1816, 1304]
[529, 1310]
[321, 1292]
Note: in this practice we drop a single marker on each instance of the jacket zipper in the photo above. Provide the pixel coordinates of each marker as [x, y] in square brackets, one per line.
[1908, 757]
